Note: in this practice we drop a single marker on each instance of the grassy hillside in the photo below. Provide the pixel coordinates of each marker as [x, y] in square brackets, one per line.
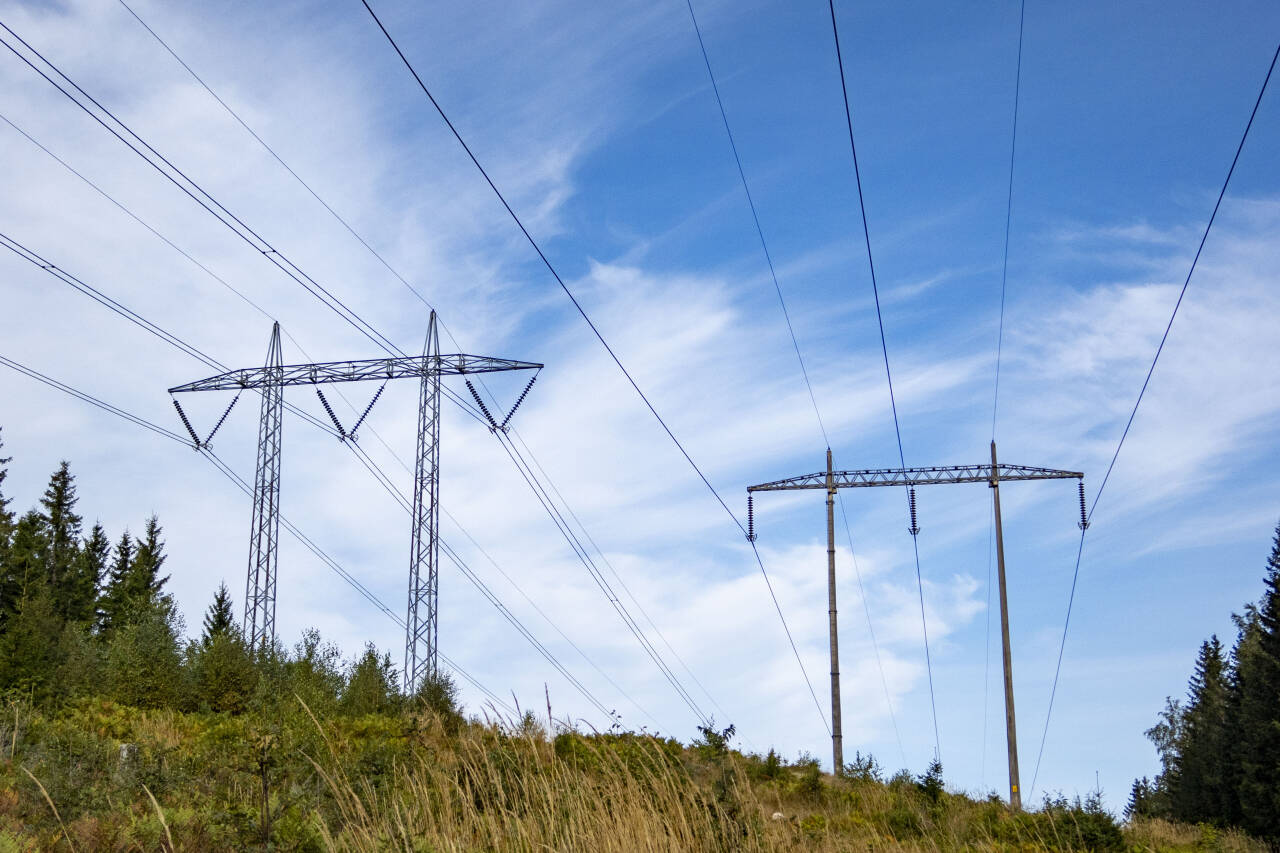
[97, 775]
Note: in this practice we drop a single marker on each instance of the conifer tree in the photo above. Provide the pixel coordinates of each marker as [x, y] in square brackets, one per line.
[1257, 731]
[219, 619]
[1248, 628]
[6, 515]
[62, 527]
[1198, 792]
[145, 577]
[79, 592]
[23, 566]
[114, 600]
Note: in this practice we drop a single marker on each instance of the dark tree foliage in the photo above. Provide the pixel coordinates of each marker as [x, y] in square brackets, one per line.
[1257, 736]
[23, 566]
[113, 604]
[371, 684]
[219, 619]
[80, 618]
[145, 571]
[62, 525]
[6, 515]
[1220, 752]
[78, 594]
[1199, 795]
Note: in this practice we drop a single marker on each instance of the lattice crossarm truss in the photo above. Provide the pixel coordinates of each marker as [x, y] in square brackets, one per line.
[871, 477]
[380, 369]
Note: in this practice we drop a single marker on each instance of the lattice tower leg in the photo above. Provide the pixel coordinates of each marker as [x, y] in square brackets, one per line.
[264, 535]
[424, 548]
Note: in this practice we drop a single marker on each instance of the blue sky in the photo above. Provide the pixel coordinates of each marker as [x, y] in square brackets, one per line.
[600, 125]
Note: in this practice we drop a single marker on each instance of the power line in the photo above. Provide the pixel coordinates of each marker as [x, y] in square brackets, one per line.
[1145, 382]
[995, 396]
[198, 194]
[237, 480]
[884, 347]
[599, 336]
[551, 268]
[1008, 218]
[346, 224]
[755, 218]
[786, 315]
[192, 352]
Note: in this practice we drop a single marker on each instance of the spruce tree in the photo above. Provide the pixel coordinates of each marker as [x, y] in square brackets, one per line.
[113, 603]
[219, 619]
[23, 566]
[6, 515]
[1258, 725]
[145, 577]
[62, 528]
[80, 591]
[1248, 629]
[1198, 793]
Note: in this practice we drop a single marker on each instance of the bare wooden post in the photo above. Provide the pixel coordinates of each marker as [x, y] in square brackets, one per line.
[837, 741]
[1015, 796]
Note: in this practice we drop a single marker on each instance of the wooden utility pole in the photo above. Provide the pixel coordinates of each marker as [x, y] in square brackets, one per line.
[837, 740]
[995, 473]
[1011, 728]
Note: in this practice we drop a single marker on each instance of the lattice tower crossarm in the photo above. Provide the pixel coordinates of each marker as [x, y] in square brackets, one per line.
[869, 477]
[452, 364]
[264, 531]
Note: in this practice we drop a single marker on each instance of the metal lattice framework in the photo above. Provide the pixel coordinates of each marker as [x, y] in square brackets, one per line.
[264, 530]
[424, 546]
[916, 477]
[420, 656]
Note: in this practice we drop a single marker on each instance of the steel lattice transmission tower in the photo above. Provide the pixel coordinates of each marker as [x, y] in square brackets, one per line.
[424, 546]
[831, 481]
[421, 634]
[264, 530]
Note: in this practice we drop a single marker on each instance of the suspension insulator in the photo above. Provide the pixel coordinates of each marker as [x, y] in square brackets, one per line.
[751, 518]
[342, 433]
[493, 425]
[1084, 513]
[195, 439]
[368, 409]
[519, 400]
[914, 529]
[222, 419]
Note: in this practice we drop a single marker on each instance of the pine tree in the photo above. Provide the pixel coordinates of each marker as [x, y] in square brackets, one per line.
[63, 528]
[1197, 794]
[114, 600]
[219, 619]
[1257, 734]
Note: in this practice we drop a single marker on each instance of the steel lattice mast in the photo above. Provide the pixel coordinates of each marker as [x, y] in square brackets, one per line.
[424, 546]
[831, 481]
[270, 380]
[264, 529]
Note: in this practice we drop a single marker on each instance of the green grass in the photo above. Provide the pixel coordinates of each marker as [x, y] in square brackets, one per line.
[419, 782]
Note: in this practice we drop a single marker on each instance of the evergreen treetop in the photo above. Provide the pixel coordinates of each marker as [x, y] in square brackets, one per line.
[219, 619]
[6, 515]
[63, 525]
